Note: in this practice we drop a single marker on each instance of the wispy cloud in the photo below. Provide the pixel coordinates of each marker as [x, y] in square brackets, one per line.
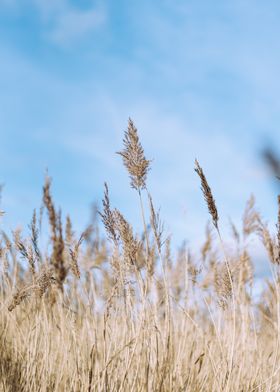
[74, 24]
[62, 23]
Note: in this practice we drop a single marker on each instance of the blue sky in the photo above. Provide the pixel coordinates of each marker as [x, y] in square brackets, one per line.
[200, 79]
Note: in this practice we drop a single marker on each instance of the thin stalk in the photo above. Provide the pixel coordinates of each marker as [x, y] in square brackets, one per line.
[233, 303]
[144, 224]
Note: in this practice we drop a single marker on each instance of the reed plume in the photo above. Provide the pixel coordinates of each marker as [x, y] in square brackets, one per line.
[108, 217]
[134, 159]
[130, 244]
[55, 221]
[156, 224]
[208, 196]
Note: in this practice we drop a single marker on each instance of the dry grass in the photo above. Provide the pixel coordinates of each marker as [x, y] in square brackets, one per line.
[128, 314]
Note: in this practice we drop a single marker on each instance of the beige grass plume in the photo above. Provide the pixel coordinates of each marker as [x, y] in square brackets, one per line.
[108, 217]
[208, 196]
[74, 253]
[42, 283]
[156, 224]
[55, 222]
[134, 159]
[129, 242]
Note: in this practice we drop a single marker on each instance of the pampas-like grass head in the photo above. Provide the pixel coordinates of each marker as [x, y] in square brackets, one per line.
[208, 196]
[134, 159]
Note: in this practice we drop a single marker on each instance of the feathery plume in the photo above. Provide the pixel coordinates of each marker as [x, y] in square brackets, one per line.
[156, 223]
[57, 259]
[34, 236]
[134, 159]
[74, 253]
[207, 195]
[250, 218]
[267, 240]
[129, 243]
[108, 217]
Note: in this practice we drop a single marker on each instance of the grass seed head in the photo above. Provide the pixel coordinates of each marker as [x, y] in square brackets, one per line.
[108, 217]
[129, 243]
[208, 196]
[134, 159]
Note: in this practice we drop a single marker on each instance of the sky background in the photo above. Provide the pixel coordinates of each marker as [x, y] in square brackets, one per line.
[200, 79]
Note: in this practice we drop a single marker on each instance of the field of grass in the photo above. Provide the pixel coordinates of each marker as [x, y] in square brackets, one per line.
[123, 313]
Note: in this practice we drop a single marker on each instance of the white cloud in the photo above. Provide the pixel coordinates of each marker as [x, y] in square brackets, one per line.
[61, 22]
[75, 24]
